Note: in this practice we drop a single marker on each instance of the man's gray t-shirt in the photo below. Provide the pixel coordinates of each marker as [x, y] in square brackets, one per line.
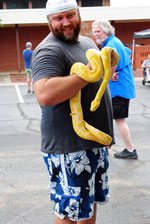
[52, 58]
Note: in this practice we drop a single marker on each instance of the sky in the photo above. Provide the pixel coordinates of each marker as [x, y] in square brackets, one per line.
[126, 3]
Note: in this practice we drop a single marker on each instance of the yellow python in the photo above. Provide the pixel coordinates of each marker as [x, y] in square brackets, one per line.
[101, 63]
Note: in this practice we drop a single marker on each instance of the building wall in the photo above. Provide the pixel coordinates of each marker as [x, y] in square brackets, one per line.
[33, 34]
[125, 31]
[141, 53]
[8, 52]
[15, 4]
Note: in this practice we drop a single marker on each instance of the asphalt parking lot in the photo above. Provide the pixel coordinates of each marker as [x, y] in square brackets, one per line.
[24, 196]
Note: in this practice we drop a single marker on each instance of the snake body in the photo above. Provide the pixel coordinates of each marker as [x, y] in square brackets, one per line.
[101, 63]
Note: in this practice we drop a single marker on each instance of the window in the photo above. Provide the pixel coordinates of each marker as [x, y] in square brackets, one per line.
[24, 4]
[1, 5]
[39, 3]
[86, 3]
[17, 4]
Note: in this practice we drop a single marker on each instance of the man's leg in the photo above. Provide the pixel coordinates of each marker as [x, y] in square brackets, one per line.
[68, 221]
[129, 152]
[148, 73]
[125, 133]
[89, 221]
[29, 83]
[63, 221]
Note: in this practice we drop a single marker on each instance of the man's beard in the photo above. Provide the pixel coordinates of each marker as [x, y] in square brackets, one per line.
[100, 42]
[68, 38]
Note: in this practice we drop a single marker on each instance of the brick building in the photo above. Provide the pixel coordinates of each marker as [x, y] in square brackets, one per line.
[26, 21]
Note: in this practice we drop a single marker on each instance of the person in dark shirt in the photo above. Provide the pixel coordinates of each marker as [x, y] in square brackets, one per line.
[78, 168]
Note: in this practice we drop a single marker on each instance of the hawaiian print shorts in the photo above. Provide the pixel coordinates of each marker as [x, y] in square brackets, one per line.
[77, 181]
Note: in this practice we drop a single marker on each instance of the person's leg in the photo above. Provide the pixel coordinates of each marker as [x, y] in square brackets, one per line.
[101, 186]
[129, 152]
[120, 113]
[64, 221]
[125, 133]
[89, 221]
[148, 73]
[29, 79]
[28, 84]
[89, 183]
[86, 221]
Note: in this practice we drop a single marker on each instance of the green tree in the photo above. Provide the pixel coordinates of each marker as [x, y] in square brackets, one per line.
[1, 23]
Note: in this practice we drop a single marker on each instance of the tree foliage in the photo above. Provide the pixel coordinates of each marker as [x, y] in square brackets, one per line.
[1, 23]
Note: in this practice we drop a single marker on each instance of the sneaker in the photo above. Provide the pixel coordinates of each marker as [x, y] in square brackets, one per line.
[29, 91]
[32, 91]
[125, 154]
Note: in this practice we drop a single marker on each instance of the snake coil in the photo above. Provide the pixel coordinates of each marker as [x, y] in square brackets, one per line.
[101, 62]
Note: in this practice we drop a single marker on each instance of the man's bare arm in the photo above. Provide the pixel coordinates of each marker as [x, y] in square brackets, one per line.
[145, 66]
[57, 89]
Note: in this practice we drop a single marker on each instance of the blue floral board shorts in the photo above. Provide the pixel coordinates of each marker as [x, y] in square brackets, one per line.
[77, 181]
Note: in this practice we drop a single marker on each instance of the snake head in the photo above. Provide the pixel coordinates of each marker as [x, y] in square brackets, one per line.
[94, 105]
[71, 114]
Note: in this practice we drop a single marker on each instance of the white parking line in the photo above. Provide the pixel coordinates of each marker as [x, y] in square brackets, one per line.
[19, 94]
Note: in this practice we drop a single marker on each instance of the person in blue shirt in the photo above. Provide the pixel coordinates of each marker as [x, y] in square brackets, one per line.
[122, 86]
[27, 54]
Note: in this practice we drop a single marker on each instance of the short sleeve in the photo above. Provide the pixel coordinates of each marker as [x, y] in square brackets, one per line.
[47, 63]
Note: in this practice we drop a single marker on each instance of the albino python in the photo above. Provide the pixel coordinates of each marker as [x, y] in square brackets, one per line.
[101, 63]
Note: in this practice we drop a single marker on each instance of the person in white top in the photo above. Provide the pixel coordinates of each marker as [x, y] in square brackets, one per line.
[146, 66]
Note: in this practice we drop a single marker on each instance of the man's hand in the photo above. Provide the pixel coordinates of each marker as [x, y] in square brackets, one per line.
[113, 59]
[89, 66]
[114, 77]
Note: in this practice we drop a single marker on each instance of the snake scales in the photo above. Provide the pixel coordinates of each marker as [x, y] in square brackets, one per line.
[101, 63]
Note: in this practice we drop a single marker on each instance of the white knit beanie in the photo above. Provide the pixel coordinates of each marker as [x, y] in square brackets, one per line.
[57, 6]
